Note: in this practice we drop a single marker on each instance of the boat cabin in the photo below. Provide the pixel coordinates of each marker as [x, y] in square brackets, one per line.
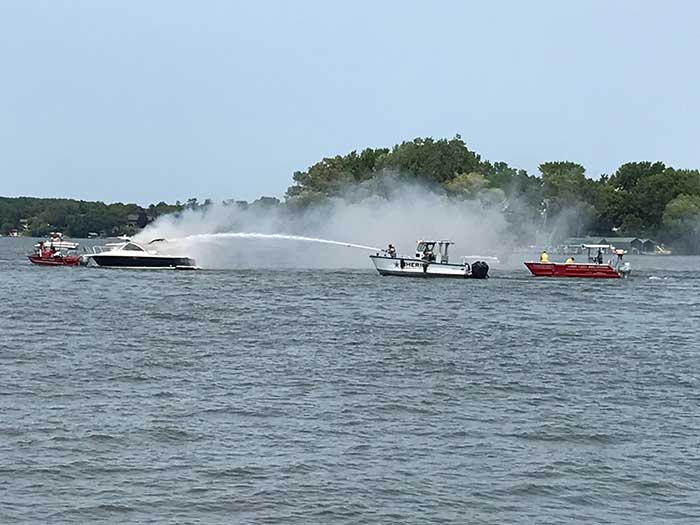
[426, 250]
[596, 251]
[127, 246]
[132, 247]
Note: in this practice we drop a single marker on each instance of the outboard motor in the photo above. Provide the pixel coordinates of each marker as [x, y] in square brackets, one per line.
[480, 270]
[625, 269]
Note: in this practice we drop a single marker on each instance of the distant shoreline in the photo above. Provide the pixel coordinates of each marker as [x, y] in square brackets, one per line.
[646, 200]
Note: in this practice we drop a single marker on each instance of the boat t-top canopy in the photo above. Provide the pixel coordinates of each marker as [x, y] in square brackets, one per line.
[594, 246]
[424, 250]
[428, 241]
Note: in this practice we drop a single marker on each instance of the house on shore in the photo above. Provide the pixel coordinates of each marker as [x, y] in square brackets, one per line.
[629, 244]
[651, 247]
[574, 245]
[633, 245]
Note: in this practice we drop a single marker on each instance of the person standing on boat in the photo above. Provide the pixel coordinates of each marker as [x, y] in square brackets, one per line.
[544, 257]
[391, 251]
[599, 256]
[570, 260]
[618, 259]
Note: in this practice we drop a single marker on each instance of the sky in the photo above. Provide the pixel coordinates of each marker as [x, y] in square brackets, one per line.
[167, 100]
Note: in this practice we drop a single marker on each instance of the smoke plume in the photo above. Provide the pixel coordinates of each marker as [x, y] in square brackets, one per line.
[401, 217]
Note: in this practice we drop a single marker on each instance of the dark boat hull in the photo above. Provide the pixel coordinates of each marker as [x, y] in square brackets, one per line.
[125, 261]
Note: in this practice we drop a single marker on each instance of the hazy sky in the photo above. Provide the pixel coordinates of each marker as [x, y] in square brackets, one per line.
[144, 101]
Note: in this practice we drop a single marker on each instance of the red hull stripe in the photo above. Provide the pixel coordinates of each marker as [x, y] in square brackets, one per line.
[596, 271]
[55, 261]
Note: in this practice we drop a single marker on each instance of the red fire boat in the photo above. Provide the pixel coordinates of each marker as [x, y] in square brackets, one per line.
[594, 268]
[548, 269]
[55, 260]
[55, 252]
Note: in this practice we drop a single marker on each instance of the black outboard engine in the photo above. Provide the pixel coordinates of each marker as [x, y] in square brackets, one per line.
[480, 270]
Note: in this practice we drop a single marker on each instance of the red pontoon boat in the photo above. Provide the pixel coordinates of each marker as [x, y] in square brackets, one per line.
[55, 252]
[594, 268]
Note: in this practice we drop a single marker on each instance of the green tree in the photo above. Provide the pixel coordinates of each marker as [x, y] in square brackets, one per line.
[681, 219]
[434, 161]
[563, 181]
[438, 160]
[569, 198]
[466, 185]
[653, 193]
[629, 174]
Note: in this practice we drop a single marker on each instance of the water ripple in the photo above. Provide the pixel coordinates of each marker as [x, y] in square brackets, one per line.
[343, 397]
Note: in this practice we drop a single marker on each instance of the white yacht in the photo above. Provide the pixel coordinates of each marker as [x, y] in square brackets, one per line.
[128, 254]
[57, 243]
[431, 260]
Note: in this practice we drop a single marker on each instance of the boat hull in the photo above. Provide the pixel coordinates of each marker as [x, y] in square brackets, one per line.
[68, 260]
[141, 262]
[406, 267]
[587, 270]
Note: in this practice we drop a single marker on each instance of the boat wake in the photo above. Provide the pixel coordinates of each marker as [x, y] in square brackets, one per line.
[270, 236]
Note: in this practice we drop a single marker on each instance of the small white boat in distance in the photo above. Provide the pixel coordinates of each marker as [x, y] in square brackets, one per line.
[431, 260]
[57, 242]
[128, 254]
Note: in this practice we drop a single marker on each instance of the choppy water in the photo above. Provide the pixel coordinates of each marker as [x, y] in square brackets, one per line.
[344, 397]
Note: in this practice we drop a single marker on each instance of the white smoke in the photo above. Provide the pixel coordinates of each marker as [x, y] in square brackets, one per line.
[402, 218]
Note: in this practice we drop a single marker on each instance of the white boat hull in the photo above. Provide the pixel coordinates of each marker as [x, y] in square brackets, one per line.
[408, 267]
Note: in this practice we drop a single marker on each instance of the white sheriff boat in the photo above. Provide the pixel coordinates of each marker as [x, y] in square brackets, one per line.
[428, 262]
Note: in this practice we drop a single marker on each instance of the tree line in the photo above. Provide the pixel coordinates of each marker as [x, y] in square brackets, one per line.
[38, 217]
[640, 199]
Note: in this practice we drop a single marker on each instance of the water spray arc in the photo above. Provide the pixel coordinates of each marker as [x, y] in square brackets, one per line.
[270, 236]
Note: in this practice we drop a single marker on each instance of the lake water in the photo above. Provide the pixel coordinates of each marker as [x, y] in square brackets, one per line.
[339, 396]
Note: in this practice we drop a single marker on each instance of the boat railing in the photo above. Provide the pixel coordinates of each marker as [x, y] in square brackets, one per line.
[58, 245]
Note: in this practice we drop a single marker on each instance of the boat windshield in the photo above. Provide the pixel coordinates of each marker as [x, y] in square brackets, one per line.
[131, 247]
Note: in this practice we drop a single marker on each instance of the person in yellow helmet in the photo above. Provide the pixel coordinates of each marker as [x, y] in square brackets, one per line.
[544, 257]
[570, 260]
